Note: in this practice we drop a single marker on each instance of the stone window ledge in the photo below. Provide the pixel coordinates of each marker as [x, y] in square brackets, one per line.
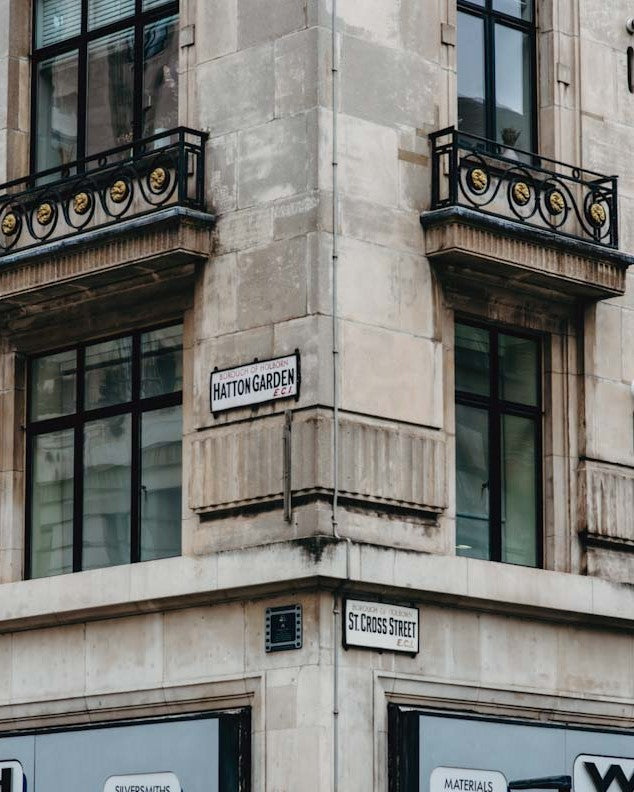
[465, 240]
[131, 251]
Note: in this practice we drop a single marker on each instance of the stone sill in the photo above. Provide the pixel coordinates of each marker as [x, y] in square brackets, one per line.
[131, 251]
[459, 238]
[285, 567]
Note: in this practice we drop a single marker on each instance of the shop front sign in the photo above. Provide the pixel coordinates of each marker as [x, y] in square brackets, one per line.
[458, 779]
[255, 383]
[11, 776]
[381, 625]
[603, 774]
[145, 782]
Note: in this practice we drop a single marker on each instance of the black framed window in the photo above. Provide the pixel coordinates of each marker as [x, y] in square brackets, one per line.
[104, 438]
[498, 444]
[497, 95]
[105, 73]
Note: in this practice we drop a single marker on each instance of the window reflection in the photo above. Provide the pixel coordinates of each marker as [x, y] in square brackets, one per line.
[110, 92]
[471, 92]
[161, 483]
[160, 77]
[57, 111]
[52, 504]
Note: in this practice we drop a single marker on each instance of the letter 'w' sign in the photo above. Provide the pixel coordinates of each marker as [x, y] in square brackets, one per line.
[603, 773]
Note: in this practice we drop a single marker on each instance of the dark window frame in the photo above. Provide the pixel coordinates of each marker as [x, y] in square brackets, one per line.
[490, 17]
[135, 407]
[138, 20]
[496, 408]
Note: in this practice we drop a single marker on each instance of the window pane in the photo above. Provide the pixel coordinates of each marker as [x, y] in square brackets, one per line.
[513, 88]
[52, 504]
[104, 12]
[160, 76]
[518, 369]
[107, 455]
[53, 385]
[162, 361]
[153, 3]
[56, 142]
[110, 91]
[472, 359]
[109, 373]
[471, 95]
[56, 20]
[472, 482]
[161, 438]
[519, 515]
[522, 9]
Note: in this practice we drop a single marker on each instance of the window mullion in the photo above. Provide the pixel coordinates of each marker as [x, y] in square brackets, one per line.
[135, 467]
[495, 456]
[78, 467]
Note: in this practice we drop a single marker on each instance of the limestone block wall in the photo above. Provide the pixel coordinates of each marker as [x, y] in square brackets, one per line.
[607, 131]
[259, 81]
[15, 89]
[212, 657]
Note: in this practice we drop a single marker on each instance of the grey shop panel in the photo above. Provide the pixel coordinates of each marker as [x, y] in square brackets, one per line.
[517, 750]
[82, 760]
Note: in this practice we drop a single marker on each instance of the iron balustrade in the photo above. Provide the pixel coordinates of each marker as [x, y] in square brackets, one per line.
[516, 185]
[129, 181]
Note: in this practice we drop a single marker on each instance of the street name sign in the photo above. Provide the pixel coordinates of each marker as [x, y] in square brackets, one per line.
[381, 625]
[255, 383]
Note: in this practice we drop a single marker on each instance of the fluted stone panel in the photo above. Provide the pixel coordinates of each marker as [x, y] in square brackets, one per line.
[236, 465]
[608, 492]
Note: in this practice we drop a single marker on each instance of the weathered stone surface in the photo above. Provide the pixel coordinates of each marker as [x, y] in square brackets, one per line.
[259, 22]
[237, 90]
[273, 161]
[387, 85]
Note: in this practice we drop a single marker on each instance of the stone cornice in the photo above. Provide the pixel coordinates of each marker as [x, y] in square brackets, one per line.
[73, 267]
[320, 562]
[526, 257]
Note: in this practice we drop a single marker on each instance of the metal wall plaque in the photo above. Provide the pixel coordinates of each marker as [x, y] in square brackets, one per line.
[255, 383]
[381, 626]
[283, 628]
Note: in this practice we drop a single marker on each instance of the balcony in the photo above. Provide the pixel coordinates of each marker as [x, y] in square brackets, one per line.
[537, 224]
[121, 215]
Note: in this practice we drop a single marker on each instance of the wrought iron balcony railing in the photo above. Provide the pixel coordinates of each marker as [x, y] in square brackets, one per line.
[166, 169]
[515, 185]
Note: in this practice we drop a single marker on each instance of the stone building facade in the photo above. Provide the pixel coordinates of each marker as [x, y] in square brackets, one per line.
[303, 206]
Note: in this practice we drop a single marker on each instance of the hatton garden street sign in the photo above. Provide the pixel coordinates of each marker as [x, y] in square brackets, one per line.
[255, 383]
[146, 782]
[380, 625]
[454, 779]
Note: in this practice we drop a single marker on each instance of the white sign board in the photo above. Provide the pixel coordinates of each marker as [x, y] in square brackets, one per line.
[143, 782]
[255, 383]
[379, 625]
[456, 779]
[11, 776]
[602, 774]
